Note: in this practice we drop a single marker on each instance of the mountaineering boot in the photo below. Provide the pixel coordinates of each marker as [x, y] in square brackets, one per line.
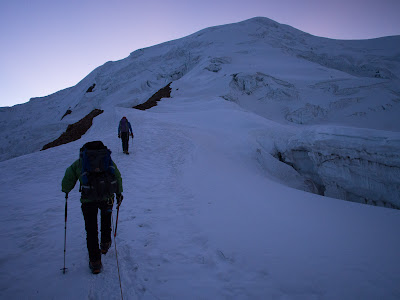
[95, 266]
[104, 247]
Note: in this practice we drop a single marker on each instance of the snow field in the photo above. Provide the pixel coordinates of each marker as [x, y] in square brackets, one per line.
[198, 220]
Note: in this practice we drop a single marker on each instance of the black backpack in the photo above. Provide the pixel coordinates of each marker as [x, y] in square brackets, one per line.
[123, 125]
[98, 180]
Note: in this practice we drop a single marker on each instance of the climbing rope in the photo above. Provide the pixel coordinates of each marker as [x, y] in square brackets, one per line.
[116, 256]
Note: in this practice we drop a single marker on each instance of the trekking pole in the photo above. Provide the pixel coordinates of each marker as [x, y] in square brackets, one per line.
[65, 231]
[116, 253]
[116, 222]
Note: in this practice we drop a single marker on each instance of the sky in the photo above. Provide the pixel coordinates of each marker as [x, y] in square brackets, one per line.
[48, 45]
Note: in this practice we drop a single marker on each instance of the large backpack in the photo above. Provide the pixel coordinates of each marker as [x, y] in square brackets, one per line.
[98, 180]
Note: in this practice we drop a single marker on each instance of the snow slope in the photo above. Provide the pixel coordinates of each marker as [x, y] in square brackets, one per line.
[274, 70]
[221, 189]
[200, 219]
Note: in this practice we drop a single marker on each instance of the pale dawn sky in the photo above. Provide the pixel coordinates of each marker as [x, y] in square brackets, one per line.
[49, 45]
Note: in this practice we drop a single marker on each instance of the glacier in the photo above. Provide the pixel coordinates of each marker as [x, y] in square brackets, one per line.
[232, 187]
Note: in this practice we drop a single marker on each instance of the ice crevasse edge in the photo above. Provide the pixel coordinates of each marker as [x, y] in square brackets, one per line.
[358, 165]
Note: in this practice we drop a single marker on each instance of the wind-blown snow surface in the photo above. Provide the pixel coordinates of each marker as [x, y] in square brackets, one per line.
[213, 208]
[200, 219]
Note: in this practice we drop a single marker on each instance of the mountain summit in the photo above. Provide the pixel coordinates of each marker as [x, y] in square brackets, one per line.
[245, 137]
[299, 81]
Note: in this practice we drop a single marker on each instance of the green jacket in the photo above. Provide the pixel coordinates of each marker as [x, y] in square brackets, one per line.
[73, 173]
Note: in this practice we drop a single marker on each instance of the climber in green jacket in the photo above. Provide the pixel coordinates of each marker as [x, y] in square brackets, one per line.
[73, 173]
[99, 180]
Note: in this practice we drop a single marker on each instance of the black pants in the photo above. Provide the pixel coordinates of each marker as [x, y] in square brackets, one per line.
[125, 141]
[89, 211]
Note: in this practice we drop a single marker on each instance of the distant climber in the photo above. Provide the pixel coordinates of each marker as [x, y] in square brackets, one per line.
[99, 180]
[123, 133]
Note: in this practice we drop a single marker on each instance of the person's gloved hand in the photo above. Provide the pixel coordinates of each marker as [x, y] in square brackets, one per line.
[119, 136]
[119, 199]
[132, 135]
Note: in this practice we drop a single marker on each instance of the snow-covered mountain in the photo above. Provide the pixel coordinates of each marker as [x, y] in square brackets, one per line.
[282, 74]
[224, 187]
